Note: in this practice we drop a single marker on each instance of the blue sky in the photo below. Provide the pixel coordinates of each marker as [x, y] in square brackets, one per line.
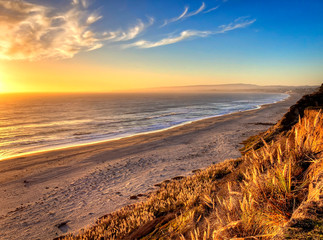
[207, 42]
[285, 34]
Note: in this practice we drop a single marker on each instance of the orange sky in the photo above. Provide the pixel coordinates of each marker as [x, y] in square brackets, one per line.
[68, 76]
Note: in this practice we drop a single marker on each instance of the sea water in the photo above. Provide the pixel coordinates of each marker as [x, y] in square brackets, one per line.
[34, 122]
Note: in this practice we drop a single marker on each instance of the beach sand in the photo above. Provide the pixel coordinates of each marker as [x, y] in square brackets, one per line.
[47, 194]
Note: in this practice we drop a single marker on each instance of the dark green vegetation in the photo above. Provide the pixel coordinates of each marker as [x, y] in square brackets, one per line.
[274, 191]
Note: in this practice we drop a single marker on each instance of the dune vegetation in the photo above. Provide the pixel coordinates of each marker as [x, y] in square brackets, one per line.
[274, 191]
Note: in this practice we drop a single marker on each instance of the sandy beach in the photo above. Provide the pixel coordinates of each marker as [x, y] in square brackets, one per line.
[77, 185]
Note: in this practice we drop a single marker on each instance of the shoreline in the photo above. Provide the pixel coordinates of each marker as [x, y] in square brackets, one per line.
[71, 145]
[79, 184]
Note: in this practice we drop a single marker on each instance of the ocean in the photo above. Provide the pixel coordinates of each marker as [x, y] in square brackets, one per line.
[35, 122]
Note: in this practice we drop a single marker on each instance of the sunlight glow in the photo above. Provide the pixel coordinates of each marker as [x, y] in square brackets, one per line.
[2, 77]
[6, 77]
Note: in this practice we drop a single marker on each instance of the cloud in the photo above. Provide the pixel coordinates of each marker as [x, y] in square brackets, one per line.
[83, 3]
[197, 11]
[241, 22]
[166, 41]
[211, 9]
[238, 23]
[184, 15]
[31, 31]
[93, 18]
[175, 19]
[130, 34]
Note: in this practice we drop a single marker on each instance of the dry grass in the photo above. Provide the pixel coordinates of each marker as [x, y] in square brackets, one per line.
[248, 198]
[274, 185]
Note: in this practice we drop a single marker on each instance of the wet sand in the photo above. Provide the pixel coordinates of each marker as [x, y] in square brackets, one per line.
[77, 185]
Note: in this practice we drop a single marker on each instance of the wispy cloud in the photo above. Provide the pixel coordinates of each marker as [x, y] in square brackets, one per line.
[184, 15]
[241, 22]
[238, 23]
[130, 34]
[93, 18]
[197, 11]
[83, 3]
[31, 31]
[211, 9]
[175, 19]
[170, 40]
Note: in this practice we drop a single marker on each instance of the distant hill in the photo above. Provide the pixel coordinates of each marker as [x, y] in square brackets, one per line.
[238, 87]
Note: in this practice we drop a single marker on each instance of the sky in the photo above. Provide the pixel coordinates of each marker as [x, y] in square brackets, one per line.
[120, 45]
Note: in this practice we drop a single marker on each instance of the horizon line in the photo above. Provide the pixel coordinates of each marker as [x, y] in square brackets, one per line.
[151, 88]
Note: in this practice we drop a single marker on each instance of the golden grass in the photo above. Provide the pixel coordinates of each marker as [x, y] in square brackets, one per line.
[274, 185]
[248, 198]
